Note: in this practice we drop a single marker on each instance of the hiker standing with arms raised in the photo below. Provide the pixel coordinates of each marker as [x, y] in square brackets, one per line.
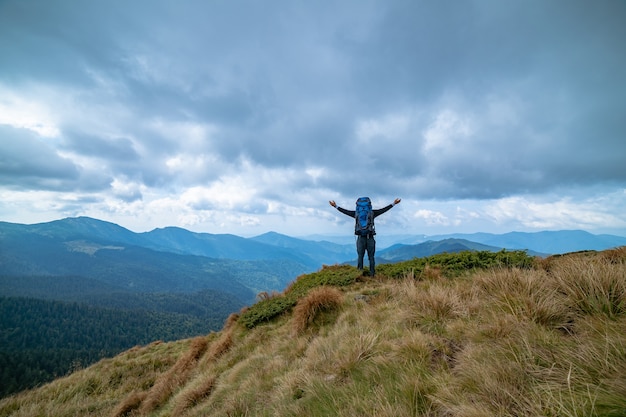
[364, 228]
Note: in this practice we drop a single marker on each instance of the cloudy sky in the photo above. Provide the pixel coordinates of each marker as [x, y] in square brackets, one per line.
[248, 116]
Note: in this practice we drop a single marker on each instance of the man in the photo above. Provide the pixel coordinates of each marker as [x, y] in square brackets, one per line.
[365, 242]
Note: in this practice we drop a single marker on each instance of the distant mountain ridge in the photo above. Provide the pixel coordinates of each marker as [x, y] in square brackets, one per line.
[547, 242]
[166, 259]
[397, 253]
[98, 235]
[176, 259]
[178, 240]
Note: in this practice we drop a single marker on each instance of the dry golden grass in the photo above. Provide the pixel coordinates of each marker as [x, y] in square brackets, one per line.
[221, 345]
[231, 320]
[593, 286]
[193, 395]
[175, 377]
[130, 404]
[317, 300]
[615, 256]
[526, 295]
[431, 273]
[99, 389]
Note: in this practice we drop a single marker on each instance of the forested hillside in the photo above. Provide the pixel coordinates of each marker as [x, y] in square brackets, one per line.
[41, 340]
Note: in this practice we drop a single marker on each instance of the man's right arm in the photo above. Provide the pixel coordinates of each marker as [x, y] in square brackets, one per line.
[350, 213]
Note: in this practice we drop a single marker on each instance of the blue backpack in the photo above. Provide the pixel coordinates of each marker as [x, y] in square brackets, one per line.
[364, 216]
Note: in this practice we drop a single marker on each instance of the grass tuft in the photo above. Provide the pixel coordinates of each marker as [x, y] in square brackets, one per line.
[130, 404]
[221, 345]
[193, 396]
[175, 377]
[316, 301]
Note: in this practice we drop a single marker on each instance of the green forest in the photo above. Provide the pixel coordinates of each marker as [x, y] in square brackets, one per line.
[41, 340]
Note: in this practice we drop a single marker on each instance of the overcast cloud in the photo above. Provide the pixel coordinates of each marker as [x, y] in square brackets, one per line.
[248, 116]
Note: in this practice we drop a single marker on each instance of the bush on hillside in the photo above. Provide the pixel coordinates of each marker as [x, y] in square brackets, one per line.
[266, 310]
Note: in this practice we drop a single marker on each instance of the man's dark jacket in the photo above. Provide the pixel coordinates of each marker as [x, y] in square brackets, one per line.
[377, 212]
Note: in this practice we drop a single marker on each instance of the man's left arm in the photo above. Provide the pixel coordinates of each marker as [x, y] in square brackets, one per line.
[378, 212]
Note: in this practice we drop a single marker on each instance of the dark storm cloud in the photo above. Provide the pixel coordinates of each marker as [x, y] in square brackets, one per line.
[426, 99]
[57, 41]
[547, 61]
[114, 149]
[27, 161]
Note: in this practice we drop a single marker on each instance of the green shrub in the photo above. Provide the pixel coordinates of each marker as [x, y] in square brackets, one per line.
[454, 264]
[267, 309]
[337, 276]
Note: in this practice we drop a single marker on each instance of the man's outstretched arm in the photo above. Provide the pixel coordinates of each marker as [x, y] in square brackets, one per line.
[350, 213]
[378, 212]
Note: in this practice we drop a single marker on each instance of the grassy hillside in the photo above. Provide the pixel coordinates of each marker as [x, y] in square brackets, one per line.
[450, 335]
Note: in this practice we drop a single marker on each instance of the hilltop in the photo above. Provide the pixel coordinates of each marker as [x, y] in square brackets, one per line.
[467, 334]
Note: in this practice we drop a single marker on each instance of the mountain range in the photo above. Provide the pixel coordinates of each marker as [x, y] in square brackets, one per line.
[102, 257]
[175, 259]
[546, 242]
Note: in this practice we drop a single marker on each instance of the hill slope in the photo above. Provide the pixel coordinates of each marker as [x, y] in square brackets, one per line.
[441, 336]
[111, 258]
